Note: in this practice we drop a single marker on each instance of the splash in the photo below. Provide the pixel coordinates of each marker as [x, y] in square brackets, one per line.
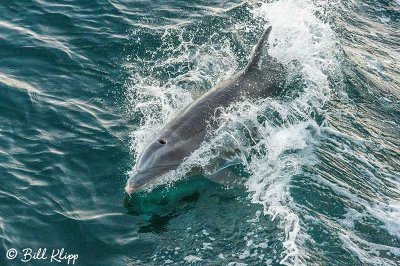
[287, 138]
[272, 138]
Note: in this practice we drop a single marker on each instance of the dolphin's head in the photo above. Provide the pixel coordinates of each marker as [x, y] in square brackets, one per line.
[160, 157]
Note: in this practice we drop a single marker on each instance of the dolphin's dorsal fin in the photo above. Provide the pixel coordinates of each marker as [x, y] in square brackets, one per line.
[255, 58]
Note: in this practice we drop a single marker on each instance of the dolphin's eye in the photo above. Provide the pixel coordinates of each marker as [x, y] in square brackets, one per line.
[162, 141]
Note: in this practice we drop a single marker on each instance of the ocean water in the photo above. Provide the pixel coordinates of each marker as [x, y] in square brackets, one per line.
[85, 85]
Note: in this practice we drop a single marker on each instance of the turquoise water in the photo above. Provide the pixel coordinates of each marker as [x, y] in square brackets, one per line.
[85, 85]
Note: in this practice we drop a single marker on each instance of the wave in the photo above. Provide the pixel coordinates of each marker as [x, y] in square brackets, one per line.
[284, 143]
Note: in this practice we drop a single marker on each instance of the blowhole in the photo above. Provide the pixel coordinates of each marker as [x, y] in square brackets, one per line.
[162, 141]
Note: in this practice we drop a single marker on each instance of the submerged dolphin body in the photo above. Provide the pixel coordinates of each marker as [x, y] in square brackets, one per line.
[184, 134]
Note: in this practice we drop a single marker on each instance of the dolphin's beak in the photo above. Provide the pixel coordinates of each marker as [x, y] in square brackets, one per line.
[132, 184]
[140, 179]
[137, 181]
[129, 189]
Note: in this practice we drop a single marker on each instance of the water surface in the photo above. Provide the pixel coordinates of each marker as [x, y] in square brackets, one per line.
[85, 85]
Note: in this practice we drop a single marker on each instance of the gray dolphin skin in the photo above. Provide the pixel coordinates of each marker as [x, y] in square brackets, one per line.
[185, 133]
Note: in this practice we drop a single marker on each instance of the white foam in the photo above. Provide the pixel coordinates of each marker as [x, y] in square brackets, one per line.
[192, 259]
[279, 146]
[369, 253]
[297, 35]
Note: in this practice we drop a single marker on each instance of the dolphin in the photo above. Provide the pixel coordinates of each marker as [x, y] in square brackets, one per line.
[185, 133]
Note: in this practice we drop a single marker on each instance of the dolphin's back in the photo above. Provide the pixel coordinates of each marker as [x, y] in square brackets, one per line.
[191, 123]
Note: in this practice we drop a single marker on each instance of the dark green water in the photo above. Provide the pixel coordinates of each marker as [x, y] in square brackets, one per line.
[85, 85]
